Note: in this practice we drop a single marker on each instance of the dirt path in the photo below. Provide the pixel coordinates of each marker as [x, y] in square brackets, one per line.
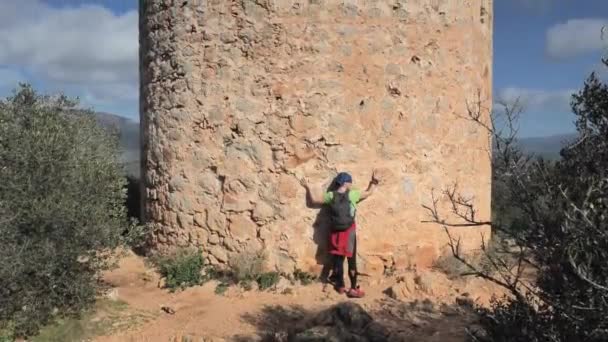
[202, 315]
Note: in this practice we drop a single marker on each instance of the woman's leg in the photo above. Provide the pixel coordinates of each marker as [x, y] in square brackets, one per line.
[355, 291]
[352, 267]
[338, 271]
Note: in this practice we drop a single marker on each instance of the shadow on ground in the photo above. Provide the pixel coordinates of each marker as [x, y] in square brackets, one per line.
[348, 321]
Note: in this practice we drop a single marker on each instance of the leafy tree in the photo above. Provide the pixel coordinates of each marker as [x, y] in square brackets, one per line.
[556, 269]
[62, 208]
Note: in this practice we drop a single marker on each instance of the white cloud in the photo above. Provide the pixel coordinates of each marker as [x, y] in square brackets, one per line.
[575, 37]
[536, 100]
[86, 50]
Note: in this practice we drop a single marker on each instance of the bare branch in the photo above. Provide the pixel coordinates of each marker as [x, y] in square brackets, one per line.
[455, 249]
[579, 141]
[461, 207]
[581, 274]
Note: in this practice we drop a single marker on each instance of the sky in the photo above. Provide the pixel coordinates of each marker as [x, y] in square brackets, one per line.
[543, 51]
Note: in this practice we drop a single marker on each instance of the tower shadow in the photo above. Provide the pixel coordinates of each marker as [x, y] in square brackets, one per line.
[322, 229]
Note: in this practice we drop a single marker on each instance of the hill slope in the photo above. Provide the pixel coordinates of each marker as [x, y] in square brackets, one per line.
[129, 138]
[546, 147]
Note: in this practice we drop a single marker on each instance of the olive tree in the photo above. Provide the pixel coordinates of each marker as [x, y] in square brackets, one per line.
[62, 208]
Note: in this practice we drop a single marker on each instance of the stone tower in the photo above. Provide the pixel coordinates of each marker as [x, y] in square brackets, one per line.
[239, 98]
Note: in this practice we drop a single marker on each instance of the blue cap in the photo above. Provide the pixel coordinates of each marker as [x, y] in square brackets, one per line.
[343, 177]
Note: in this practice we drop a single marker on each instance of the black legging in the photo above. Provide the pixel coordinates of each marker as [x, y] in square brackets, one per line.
[352, 268]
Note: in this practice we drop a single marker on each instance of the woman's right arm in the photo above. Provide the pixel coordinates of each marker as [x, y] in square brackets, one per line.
[313, 197]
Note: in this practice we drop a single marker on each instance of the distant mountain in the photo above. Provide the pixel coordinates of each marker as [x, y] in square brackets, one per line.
[546, 147]
[129, 138]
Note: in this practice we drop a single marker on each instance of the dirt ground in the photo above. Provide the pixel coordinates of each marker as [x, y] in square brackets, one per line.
[199, 314]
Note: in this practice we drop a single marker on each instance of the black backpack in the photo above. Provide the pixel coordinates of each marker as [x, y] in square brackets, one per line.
[340, 211]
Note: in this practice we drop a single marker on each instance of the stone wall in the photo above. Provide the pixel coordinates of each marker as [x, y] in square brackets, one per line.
[239, 98]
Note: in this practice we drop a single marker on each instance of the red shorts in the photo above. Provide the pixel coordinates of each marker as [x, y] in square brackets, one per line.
[343, 242]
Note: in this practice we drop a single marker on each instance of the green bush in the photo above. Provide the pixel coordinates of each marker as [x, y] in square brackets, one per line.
[7, 332]
[182, 269]
[62, 212]
[6, 337]
[304, 278]
[221, 288]
[247, 266]
[268, 279]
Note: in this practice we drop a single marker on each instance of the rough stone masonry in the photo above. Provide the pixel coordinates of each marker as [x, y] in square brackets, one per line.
[239, 98]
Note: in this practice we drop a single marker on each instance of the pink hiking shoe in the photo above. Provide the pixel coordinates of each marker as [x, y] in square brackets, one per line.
[355, 293]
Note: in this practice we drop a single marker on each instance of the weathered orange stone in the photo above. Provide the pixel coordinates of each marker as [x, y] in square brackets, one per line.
[232, 110]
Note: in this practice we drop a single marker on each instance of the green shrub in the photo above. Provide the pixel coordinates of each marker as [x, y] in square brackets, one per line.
[247, 266]
[7, 332]
[182, 269]
[304, 278]
[214, 273]
[268, 279]
[221, 288]
[247, 285]
[62, 208]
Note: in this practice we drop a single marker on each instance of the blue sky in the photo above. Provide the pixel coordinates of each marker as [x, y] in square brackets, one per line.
[543, 51]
